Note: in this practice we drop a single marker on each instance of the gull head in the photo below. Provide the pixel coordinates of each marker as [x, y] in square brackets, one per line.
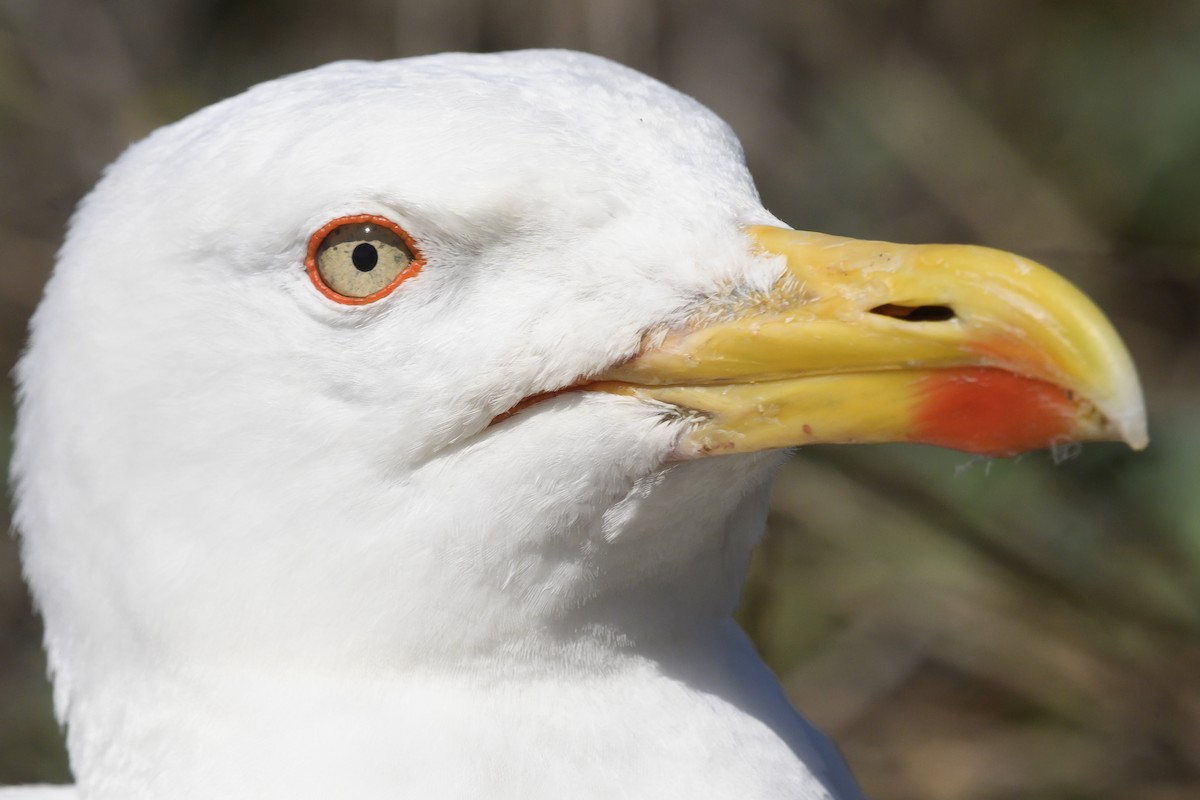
[476, 359]
[221, 456]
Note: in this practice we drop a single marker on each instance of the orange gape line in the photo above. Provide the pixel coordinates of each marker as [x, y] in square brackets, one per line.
[991, 412]
[534, 399]
[314, 242]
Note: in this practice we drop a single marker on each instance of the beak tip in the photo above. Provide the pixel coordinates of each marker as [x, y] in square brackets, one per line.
[1134, 433]
[1130, 425]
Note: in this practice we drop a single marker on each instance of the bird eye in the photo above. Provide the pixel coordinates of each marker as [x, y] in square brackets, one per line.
[359, 259]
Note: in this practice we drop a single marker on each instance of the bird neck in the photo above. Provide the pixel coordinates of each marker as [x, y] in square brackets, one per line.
[203, 732]
[226, 706]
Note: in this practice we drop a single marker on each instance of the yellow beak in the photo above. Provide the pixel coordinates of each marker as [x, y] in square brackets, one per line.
[964, 347]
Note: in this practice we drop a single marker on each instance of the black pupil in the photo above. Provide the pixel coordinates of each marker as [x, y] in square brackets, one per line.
[365, 257]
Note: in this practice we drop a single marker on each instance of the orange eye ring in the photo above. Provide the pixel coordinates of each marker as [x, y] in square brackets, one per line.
[314, 244]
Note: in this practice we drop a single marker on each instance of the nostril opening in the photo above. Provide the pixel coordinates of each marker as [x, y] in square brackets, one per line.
[915, 313]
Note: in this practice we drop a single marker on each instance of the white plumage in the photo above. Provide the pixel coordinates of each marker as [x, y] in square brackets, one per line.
[280, 549]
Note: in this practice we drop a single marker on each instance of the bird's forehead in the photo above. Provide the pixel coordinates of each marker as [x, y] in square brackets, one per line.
[536, 134]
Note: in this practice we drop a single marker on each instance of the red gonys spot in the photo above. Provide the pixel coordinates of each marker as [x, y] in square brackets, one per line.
[991, 412]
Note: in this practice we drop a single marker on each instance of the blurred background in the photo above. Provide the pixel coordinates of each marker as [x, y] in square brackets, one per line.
[964, 628]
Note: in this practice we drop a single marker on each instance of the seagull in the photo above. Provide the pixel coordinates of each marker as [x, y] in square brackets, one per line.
[404, 429]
